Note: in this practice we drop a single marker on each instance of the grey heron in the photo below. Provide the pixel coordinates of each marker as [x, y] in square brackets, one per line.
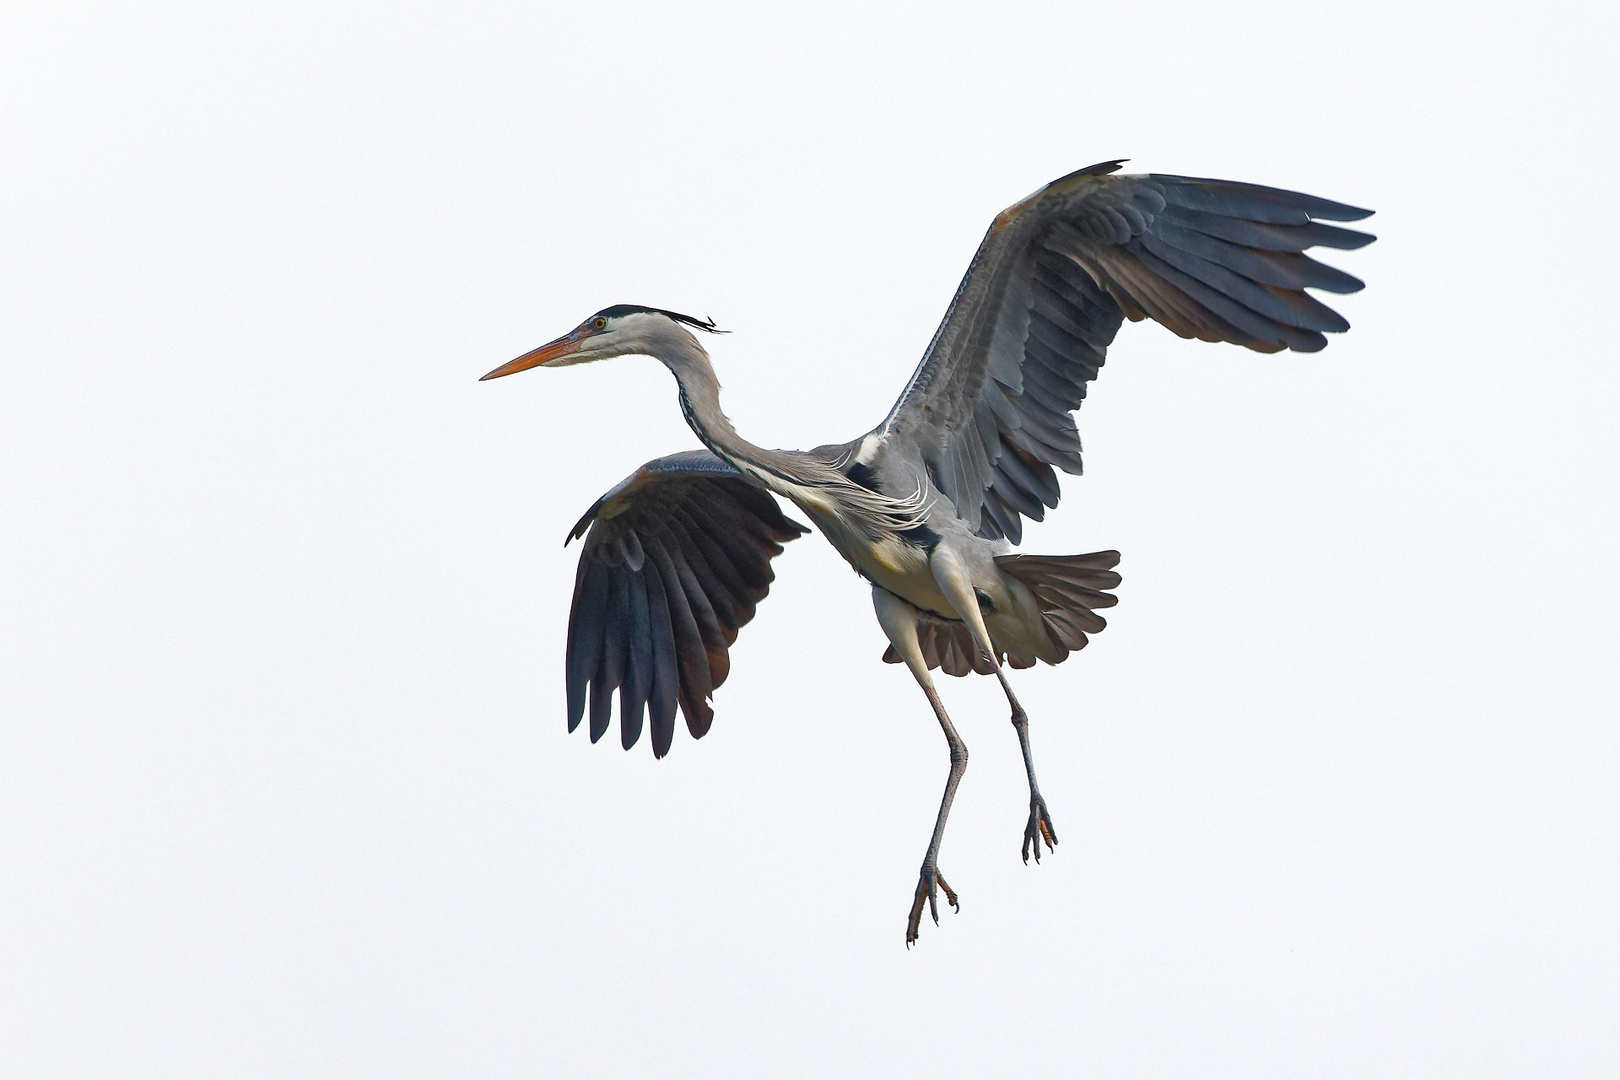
[927, 505]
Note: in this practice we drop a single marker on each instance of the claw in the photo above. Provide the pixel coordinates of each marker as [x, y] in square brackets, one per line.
[1039, 828]
[928, 885]
[950, 897]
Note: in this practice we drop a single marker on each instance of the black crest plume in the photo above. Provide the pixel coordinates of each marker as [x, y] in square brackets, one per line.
[618, 310]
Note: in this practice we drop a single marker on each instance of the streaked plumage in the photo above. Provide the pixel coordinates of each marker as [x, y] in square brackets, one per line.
[925, 505]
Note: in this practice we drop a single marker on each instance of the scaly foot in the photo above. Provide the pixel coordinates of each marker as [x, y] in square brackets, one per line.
[926, 891]
[1038, 829]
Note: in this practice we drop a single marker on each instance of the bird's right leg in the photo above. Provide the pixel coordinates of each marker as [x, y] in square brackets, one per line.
[899, 622]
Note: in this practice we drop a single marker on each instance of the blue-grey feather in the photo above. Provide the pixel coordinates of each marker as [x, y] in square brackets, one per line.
[1255, 297]
[1039, 481]
[1253, 201]
[664, 691]
[1288, 269]
[610, 672]
[637, 684]
[585, 628]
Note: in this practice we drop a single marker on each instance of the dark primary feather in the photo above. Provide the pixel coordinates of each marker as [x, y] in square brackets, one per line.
[675, 559]
[988, 411]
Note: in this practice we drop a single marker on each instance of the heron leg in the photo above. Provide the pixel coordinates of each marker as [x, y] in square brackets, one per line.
[1040, 821]
[929, 880]
[899, 622]
[957, 586]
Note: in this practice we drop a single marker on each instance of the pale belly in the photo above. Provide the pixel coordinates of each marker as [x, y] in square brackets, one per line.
[895, 565]
[1012, 618]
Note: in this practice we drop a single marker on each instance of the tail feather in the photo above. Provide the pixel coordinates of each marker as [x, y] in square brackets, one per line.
[1070, 589]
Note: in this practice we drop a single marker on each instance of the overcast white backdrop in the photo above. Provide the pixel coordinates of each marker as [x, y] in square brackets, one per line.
[285, 788]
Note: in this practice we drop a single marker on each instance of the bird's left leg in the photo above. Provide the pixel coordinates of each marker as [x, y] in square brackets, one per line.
[899, 621]
[1040, 822]
[957, 585]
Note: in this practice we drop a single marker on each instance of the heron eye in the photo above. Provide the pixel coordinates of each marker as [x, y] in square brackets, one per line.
[599, 323]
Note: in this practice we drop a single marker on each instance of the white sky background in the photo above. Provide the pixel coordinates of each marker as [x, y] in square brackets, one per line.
[285, 788]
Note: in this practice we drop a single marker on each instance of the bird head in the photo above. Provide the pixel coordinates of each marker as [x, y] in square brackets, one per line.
[621, 330]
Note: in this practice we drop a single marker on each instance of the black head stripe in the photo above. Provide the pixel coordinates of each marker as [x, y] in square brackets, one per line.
[618, 310]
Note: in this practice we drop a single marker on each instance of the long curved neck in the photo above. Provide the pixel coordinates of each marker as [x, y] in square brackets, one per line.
[852, 516]
[700, 402]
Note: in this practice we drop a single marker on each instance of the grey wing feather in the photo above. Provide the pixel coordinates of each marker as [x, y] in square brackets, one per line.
[676, 557]
[988, 411]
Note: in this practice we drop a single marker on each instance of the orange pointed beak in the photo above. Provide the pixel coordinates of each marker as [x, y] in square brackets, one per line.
[548, 353]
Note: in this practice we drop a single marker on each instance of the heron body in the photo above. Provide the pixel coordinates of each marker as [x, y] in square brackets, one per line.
[929, 504]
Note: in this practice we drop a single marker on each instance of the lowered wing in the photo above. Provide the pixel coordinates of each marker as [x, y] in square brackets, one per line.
[675, 560]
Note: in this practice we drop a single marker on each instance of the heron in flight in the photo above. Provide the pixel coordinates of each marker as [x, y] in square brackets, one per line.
[927, 505]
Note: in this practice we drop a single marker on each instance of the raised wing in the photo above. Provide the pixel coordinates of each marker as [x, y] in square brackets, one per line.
[987, 412]
[677, 556]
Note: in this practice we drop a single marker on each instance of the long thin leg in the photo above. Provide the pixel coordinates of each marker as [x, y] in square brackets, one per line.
[1040, 821]
[957, 585]
[929, 876]
[899, 621]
